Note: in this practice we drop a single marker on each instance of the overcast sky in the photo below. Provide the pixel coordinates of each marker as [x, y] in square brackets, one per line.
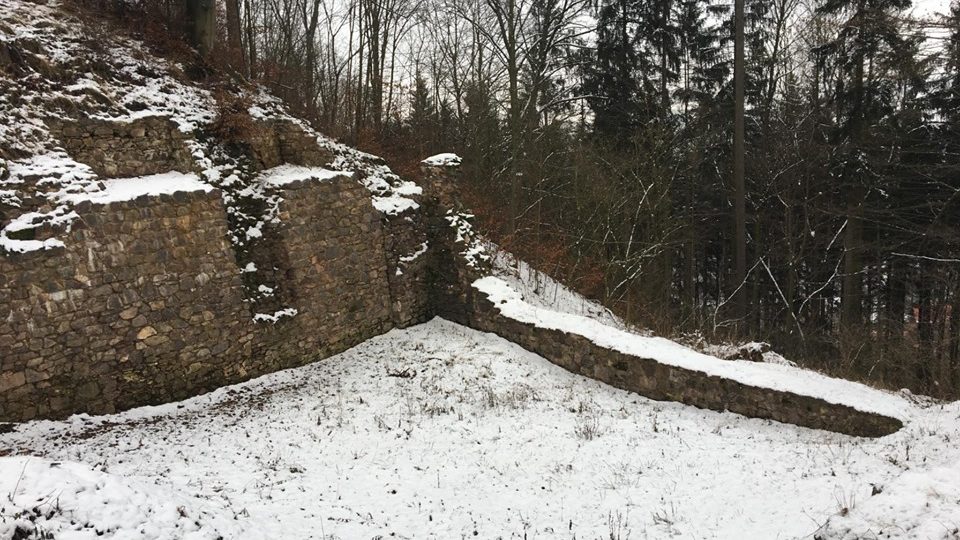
[929, 7]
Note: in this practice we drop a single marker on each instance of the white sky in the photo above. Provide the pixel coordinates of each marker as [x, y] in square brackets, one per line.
[929, 7]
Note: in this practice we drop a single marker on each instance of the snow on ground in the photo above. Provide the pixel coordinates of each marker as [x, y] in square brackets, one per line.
[438, 431]
[73, 500]
[541, 290]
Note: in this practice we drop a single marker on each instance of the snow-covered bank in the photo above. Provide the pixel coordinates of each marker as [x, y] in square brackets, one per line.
[439, 431]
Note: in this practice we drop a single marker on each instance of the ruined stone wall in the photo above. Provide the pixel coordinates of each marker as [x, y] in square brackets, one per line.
[659, 381]
[408, 248]
[147, 302]
[143, 305]
[150, 145]
[276, 142]
[335, 273]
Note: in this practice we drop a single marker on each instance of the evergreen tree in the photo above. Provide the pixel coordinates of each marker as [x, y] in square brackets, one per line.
[614, 78]
[868, 38]
[946, 97]
[422, 120]
[699, 54]
[660, 32]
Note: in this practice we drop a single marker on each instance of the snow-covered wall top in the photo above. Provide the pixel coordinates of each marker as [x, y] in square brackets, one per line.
[761, 389]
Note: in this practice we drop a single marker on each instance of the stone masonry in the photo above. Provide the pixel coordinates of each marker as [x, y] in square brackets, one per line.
[335, 273]
[276, 142]
[145, 304]
[150, 145]
[663, 382]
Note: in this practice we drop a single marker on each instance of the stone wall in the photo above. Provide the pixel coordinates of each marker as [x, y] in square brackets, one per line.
[408, 247]
[335, 273]
[281, 141]
[150, 145]
[659, 381]
[145, 303]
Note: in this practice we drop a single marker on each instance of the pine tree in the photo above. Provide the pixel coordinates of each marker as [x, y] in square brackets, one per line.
[868, 37]
[659, 29]
[699, 53]
[946, 98]
[423, 115]
[613, 79]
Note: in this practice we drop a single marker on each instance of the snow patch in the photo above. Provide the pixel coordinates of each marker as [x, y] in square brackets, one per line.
[23, 246]
[416, 254]
[276, 315]
[286, 174]
[542, 290]
[393, 205]
[443, 160]
[128, 189]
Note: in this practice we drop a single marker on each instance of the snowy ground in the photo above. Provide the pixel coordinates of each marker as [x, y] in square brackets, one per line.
[541, 290]
[439, 431]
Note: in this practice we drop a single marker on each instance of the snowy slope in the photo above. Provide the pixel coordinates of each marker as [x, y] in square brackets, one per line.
[443, 432]
[541, 290]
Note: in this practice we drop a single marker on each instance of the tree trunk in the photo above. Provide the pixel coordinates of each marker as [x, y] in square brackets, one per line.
[202, 24]
[234, 37]
[896, 299]
[924, 333]
[740, 195]
[954, 338]
[851, 308]
[251, 41]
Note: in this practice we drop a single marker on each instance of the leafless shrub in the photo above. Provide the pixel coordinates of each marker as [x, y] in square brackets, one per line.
[588, 427]
[618, 526]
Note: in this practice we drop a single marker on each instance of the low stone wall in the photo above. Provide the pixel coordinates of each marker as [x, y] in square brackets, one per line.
[150, 145]
[659, 381]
